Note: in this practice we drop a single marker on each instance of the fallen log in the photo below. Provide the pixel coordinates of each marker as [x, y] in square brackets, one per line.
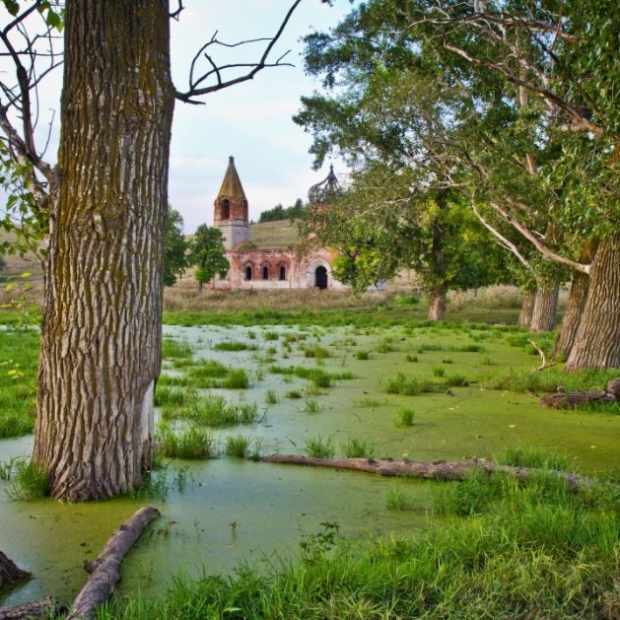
[10, 573]
[425, 470]
[105, 569]
[47, 608]
[571, 400]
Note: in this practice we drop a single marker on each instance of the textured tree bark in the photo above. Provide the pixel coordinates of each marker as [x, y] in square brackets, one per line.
[106, 569]
[527, 307]
[437, 304]
[435, 470]
[575, 306]
[545, 308]
[597, 343]
[102, 328]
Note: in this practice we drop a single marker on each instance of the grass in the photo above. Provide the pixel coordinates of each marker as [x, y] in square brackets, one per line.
[167, 395]
[500, 550]
[271, 397]
[215, 411]
[19, 350]
[405, 417]
[408, 386]
[362, 355]
[358, 448]
[192, 442]
[396, 500]
[28, 481]
[237, 379]
[173, 349]
[235, 346]
[294, 394]
[534, 457]
[237, 446]
[317, 352]
[320, 448]
[312, 406]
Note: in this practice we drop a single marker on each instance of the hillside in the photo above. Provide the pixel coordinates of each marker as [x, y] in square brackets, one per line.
[276, 234]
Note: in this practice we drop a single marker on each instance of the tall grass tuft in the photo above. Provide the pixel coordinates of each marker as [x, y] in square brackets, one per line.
[237, 446]
[320, 448]
[28, 481]
[192, 442]
[358, 448]
[536, 458]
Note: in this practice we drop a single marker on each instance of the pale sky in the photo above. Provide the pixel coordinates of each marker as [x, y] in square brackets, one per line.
[251, 121]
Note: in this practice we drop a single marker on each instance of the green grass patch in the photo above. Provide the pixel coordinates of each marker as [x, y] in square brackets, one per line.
[237, 446]
[192, 442]
[320, 448]
[235, 346]
[358, 448]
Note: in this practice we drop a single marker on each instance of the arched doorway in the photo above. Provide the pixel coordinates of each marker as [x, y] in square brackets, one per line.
[265, 272]
[282, 273]
[320, 277]
[248, 272]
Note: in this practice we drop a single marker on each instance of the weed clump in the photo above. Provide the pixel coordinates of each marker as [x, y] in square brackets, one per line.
[192, 442]
[320, 448]
[396, 500]
[312, 406]
[235, 346]
[362, 355]
[358, 448]
[237, 446]
[405, 417]
[535, 458]
[28, 481]
[271, 397]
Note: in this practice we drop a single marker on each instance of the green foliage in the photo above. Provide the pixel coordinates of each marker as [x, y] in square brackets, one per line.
[406, 417]
[214, 410]
[396, 500]
[296, 212]
[192, 442]
[207, 254]
[535, 458]
[175, 248]
[28, 481]
[18, 367]
[236, 380]
[234, 346]
[320, 448]
[362, 355]
[312, 406]
[237, 446]
[173, 349]
[358, 448]
[271, 397]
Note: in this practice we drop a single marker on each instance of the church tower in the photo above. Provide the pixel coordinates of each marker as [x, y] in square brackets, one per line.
[231, 209]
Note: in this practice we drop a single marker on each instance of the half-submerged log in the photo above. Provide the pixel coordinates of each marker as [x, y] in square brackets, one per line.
[571, 400]
[426, 470]
[10, 573]
[106, 569]
[47, 608]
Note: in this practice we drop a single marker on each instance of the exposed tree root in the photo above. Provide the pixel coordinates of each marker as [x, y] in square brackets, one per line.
[570, 400]
[105, 570]
[426, 470]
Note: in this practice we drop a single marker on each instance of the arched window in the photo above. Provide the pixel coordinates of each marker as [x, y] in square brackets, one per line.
[225, 210]
[282, 273]
[265, 272]
[248, 272]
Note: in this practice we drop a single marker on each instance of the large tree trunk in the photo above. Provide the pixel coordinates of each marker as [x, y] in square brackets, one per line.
[102, 328]
[575, 306]
[545, 308]
[437, 304]
[597, 343]
[527, 307]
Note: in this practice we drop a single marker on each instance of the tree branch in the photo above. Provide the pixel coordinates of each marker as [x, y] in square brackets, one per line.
[196, 90]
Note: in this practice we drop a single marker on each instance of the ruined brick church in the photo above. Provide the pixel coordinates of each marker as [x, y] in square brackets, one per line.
[269, 255]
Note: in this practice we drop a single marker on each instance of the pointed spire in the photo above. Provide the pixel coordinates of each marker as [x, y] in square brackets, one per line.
[231, 185]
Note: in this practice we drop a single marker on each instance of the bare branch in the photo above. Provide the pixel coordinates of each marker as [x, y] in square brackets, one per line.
[196, 90]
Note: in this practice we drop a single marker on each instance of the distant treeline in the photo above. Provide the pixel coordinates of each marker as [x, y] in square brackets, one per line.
[281, 213]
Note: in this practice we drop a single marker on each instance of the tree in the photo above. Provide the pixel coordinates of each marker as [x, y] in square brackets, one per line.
[105, 201]
[295, 212]
[528, 126]
[207, 254]
[175, 248]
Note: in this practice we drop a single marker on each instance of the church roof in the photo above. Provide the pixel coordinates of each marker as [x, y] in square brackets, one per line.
[326, 190]
[231, 185]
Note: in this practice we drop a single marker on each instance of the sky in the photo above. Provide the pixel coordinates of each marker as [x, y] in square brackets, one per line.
[251, 121]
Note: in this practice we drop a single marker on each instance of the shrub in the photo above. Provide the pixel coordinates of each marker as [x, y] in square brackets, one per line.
[320, 448]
